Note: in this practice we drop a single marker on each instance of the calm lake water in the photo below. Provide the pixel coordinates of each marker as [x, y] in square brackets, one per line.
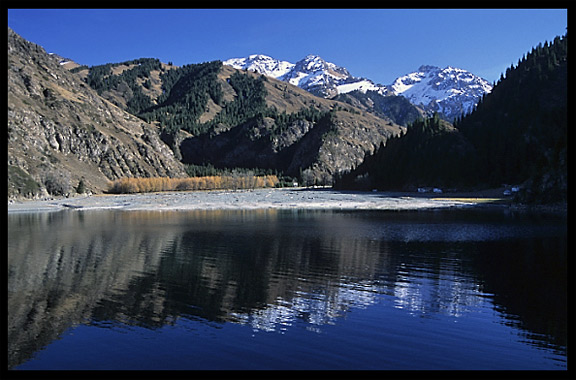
[456, 289]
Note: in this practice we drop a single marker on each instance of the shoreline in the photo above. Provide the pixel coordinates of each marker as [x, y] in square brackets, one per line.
[283, 198]
[268, 198]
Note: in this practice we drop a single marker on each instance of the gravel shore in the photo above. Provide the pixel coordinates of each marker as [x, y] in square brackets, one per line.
[286, 198]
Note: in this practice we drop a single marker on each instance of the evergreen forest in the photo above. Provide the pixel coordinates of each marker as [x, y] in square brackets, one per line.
[519, 130]
[517, 134]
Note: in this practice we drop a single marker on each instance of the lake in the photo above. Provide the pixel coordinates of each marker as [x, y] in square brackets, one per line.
[461, 289]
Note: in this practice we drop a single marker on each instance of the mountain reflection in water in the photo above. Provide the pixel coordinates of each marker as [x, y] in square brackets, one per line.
[277, 271]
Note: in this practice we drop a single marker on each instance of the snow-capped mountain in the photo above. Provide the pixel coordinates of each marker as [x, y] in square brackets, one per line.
[317, 76]
[449, 91]
[262, 64]
[312, 73]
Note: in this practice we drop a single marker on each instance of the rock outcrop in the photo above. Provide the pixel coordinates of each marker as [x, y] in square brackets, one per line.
[61, 132]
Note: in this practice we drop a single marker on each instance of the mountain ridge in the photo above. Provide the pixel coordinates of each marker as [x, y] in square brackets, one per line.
[62, 133]
[449, 91]
[233, 118]
[312, 73]
[70, 123]
[73, 124]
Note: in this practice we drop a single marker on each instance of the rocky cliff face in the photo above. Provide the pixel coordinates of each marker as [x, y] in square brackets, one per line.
[60, 132]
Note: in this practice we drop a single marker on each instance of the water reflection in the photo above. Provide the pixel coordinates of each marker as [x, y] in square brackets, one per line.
[273, 270]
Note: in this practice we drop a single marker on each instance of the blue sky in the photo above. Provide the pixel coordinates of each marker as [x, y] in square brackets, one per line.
[380, 44]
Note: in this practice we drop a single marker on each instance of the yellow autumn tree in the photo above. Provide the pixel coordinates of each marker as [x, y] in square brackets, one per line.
[226, 182]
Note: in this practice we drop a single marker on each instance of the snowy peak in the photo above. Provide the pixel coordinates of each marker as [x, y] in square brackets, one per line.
[450, 91]
[311, 73]
[262, 64]
[317, 76]
[434, 78]
[314, 64]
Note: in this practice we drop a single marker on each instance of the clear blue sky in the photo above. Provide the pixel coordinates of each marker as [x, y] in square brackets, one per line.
[380, 44]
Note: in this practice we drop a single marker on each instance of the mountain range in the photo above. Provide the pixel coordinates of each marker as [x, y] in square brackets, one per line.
[449, 91]
[70, 124]
[77, 127]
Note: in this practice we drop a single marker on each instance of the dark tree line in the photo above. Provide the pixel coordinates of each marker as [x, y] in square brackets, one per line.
[430, 153]
[520, 129]
[516, 134]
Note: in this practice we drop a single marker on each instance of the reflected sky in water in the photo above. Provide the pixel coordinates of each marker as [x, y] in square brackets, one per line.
[293, 289]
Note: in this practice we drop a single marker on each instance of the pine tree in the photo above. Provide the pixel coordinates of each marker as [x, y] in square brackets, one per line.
[81, 188]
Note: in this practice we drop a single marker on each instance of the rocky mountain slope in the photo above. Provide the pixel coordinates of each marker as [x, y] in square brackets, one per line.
[71, 125]
[395, 107]
[62, 133]
[213, 114]
[450, 91]
[297, 133]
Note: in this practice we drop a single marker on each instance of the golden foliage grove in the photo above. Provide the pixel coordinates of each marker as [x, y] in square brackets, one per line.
[156, 184]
